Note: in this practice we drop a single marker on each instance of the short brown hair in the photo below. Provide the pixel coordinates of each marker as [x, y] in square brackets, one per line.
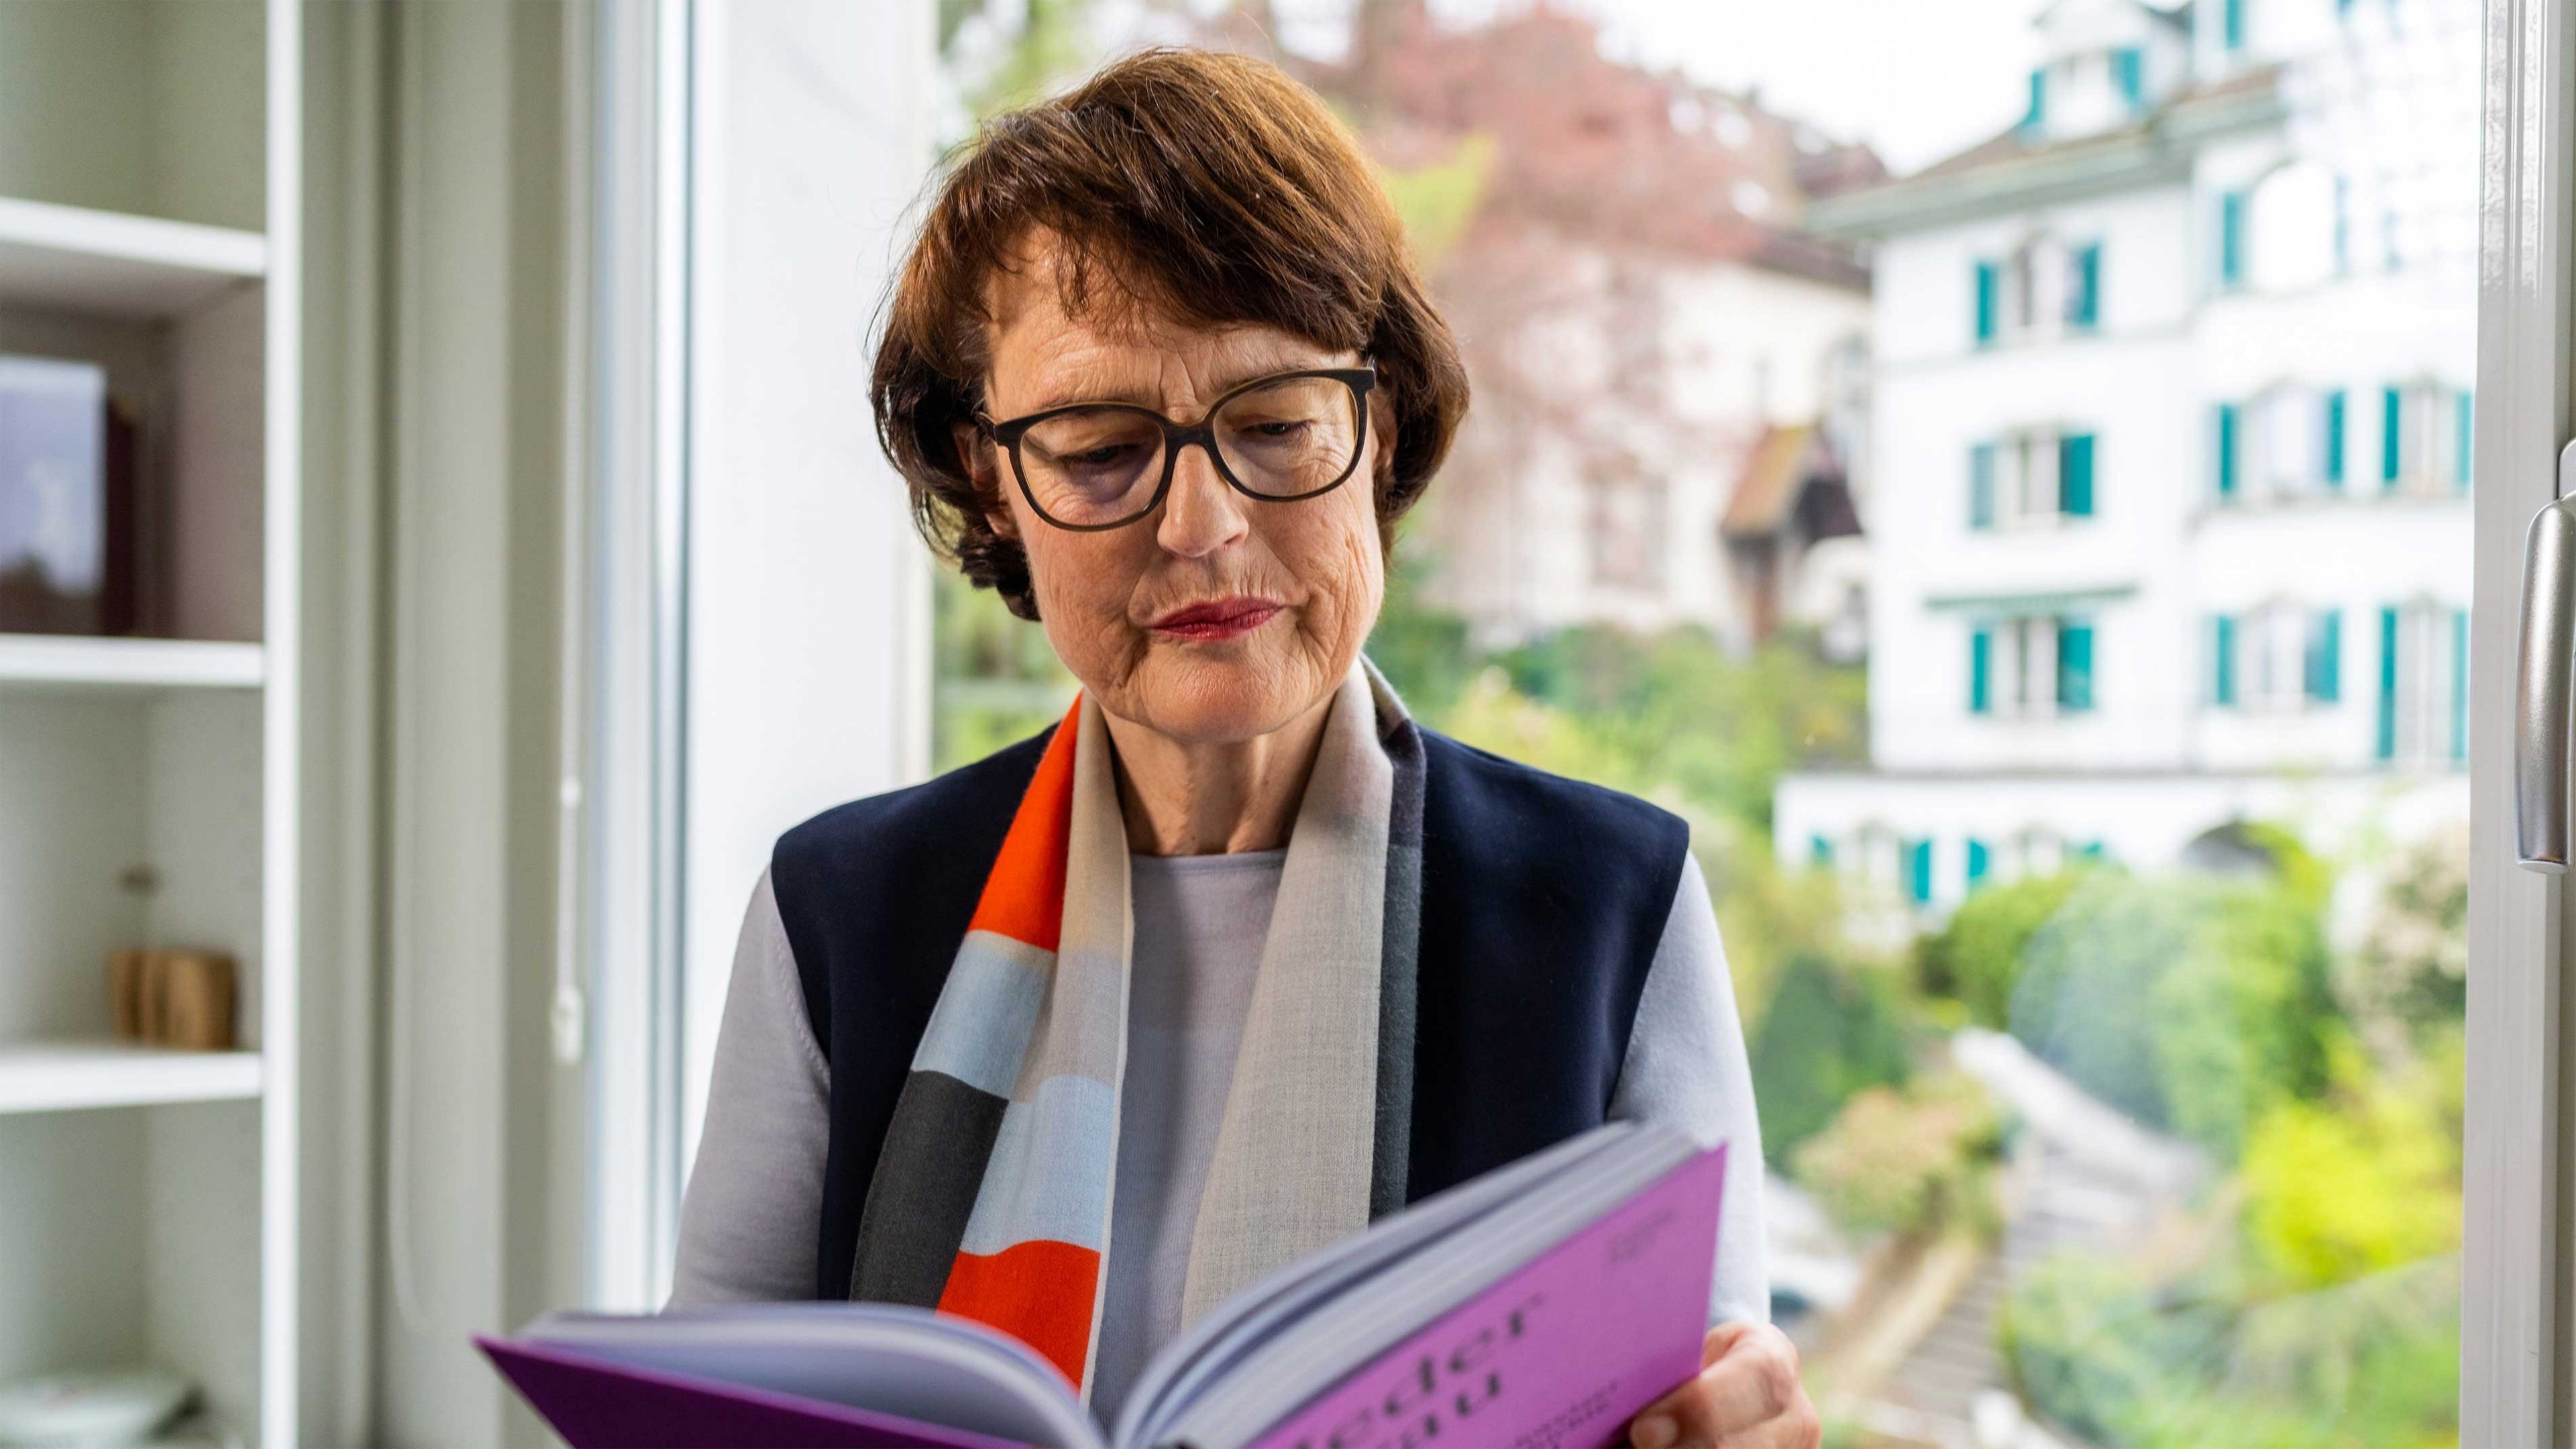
[1217, 190]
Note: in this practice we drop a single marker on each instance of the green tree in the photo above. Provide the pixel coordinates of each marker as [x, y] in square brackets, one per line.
[1830, 1033]
[1976, 955]
[2192, 1003]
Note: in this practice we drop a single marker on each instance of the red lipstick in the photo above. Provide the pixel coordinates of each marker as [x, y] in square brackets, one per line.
[1216, 619]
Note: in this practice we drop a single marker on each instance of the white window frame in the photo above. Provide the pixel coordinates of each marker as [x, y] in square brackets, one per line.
[2514, 1314]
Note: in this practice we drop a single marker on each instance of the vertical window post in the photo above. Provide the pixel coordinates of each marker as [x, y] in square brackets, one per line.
[2075, 475]
[2463, 437]
[1981, 670]
[2231, 239]
[1981, 486]
[2388, 684]
[2334, 438]
[2222, 660]
[2225, 430]
[2325, 656]
[2074, 665]
[2392, 436]
[1989, 299]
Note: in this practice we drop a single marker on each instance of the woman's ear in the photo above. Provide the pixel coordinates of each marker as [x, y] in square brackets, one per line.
[978, 455]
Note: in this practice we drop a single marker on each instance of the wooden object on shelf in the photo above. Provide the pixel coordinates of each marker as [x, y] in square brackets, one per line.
[125, 993]
[196, 1000]
[173, 998]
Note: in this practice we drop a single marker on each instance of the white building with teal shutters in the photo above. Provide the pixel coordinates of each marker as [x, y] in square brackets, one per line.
[2171, 413]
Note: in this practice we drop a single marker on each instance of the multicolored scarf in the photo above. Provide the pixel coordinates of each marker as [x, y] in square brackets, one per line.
[991, 1197]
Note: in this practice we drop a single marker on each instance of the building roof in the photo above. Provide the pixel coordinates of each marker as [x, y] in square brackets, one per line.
[1776, 471]
[2011, 171]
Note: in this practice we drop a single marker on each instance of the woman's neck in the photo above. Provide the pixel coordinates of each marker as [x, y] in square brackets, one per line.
[1182, 797]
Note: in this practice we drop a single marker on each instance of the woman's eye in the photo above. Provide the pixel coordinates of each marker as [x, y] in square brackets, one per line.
[1277, 430]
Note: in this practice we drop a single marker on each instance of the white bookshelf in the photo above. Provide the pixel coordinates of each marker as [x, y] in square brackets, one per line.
[56, 662]
[149, 787]
[77, 259]
[69, 1076]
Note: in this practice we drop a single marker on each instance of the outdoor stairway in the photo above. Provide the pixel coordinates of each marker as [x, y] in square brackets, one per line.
[1957, 1360]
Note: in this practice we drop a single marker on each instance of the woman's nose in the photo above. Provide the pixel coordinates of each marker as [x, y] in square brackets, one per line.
[1202, 513]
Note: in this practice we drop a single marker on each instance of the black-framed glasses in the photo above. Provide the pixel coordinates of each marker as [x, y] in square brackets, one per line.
[1281, 438]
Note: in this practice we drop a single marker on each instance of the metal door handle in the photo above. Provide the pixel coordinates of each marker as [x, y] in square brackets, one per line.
[2542, 680]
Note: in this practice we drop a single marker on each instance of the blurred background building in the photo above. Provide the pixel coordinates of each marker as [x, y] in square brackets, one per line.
[2172, 407]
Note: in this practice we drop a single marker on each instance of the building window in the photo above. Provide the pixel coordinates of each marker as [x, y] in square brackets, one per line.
[2288, 442]
[2426, 439]
[2037, 114]
[2423, 683]
[2029, 478]
[2278, 658]
[2129, 68]
[1980, 863]
[2033, 666]
[2287, 235]
[2046, 288]
[2232, 24]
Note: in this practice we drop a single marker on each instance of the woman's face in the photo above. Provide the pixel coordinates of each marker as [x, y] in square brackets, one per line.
[1216, 617]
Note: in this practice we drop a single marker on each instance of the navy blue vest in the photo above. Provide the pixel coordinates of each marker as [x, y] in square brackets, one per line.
[1542, 903]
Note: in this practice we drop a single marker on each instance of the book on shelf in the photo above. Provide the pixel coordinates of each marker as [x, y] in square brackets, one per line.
[1543, 1303]
[72, 531]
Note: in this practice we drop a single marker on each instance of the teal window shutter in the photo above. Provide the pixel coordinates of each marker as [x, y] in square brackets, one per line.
[2038, 112]
[1990, 286]
[2465, 449]
[2459, 684]
[2225, 429]
[1918, 872]
[2084, 287]
[2074, 666]
[2392, 439]
[1981, 670]
[2388, 684]
[2075, 475]
[1981, 486]
[1980, 861]
[2231, 238]
[2092, 850]
[2334, 437]
[2129, 63]
[2222, 660]
[1820, 852]
[2233, 24]
[2325, 656]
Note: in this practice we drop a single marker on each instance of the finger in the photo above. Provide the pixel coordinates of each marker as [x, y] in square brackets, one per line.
[1753, 1381]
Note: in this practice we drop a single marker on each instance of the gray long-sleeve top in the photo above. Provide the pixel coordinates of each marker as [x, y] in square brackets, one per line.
[747, 1222]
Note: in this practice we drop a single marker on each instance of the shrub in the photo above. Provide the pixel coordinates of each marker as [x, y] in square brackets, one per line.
[2193, 1004]
[1919, 1158]
[1830, 1032]
[1976, 954]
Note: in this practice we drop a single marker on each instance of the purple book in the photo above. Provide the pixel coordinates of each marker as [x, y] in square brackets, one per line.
[1542, 1304]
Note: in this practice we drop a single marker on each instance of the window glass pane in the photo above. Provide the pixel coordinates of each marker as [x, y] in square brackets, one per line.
[2092, 891]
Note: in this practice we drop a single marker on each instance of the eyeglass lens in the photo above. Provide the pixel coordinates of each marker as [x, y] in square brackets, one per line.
[1101, 465]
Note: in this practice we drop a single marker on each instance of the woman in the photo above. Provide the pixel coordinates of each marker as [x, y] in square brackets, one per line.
[1236, 939]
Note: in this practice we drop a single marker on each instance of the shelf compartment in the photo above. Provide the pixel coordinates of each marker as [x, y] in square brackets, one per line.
[84, 664]
[73, 258]
[63, 1076]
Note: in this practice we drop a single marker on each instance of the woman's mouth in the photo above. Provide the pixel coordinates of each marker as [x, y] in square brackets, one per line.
[1215, 619]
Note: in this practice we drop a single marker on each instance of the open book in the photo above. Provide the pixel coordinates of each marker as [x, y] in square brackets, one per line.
[1540, 1305]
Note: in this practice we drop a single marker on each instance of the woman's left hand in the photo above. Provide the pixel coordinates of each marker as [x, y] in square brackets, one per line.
[1747, 1396]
